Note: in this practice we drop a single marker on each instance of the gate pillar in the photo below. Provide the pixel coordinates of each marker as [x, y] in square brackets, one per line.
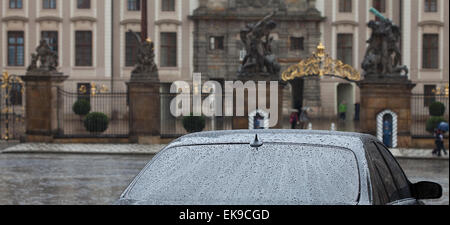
[145, 109]
[41, 94]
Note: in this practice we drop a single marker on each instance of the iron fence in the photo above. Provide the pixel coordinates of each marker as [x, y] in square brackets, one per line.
[113, 105]
[420, 112]
[12, 110]
[172, 127]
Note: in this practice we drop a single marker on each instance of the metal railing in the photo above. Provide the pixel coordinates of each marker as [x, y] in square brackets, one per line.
[113, 105]
[420, 112]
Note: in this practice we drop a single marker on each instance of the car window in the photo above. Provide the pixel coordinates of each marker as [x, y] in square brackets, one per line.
[400, 179]
[380, 195]
[388, 185]
[233, 174]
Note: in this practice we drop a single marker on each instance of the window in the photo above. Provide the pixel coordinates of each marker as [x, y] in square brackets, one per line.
[49, 4]
[379, 5]
[430, 96]
[345, 48]
[15, 94]
[83, 48]
[399, 177]
[386, 189]
[16, 48]
[216, 43]
[84, 91]
[134, 5]
[168, 49]
[345, 6]
[430, 51]
[297, 43]
[132, 46]
[168, 5]
[52, 39]
[431, 6]
[15, 4]
[84, 4]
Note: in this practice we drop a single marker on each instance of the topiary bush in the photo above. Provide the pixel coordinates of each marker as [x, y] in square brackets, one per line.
[82, 107]
[194, 124]
[96, 122]
[437, 109]
[434, 122]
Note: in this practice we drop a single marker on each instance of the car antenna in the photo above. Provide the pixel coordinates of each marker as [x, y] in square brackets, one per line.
[256, 143]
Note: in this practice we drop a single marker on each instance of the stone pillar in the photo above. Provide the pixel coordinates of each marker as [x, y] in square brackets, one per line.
[42, 106]
[386, 93]
[242, 123]
[145, 108]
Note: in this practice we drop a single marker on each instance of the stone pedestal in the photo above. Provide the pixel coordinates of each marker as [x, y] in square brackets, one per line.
[242, 123]
[42, 106]
[145, 107]
[387, 93]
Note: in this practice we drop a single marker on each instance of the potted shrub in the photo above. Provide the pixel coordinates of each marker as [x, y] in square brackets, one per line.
[96, 122]
[437, 111]
[81, 107]
[194, 124]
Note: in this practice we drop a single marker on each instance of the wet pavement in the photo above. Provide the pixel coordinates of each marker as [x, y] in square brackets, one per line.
[62, 179]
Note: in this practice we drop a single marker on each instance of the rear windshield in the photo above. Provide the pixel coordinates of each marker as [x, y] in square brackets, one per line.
[239, 174]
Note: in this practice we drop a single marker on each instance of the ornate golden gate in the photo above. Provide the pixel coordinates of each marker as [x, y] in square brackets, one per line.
[320, 64]
[12, 107]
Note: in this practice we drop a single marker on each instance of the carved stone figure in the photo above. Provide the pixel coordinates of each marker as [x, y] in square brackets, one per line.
[145, 56]
[47, 58]
[383, 55]
[257, 42]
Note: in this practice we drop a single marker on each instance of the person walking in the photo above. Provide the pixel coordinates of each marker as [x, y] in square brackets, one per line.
[343, 111]
[294, 120]
[304, 119]
[439, 141]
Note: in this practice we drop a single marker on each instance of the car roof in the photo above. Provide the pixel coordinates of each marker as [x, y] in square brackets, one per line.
[349, 140]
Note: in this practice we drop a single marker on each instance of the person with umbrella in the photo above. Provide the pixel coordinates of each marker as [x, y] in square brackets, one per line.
[439, 135]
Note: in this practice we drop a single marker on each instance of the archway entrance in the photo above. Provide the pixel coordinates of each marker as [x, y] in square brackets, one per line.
[321, 64]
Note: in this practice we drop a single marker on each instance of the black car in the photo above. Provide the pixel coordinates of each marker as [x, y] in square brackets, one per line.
[276, 167]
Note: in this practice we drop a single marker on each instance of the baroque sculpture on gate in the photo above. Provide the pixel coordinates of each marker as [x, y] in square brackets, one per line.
[47, 58]
[145, 57]
[383, 56]
[259, 58]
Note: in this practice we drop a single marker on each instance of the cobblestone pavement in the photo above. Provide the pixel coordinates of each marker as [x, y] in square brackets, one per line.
[84, 148]
[152, 149]
[86, 179]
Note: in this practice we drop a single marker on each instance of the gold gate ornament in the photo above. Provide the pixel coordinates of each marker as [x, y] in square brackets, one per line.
[320, 64]
[7, 81]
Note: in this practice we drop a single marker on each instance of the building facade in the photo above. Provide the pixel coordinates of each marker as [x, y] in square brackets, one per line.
[91, 38]
[424, 44]
[219, 50]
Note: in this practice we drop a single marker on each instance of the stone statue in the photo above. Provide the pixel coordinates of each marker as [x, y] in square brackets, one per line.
[47, 58]
[145, 56]
[258, 46]
[383, 55]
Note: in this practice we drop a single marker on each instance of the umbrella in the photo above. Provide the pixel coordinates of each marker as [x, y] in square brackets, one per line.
[443, 126]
